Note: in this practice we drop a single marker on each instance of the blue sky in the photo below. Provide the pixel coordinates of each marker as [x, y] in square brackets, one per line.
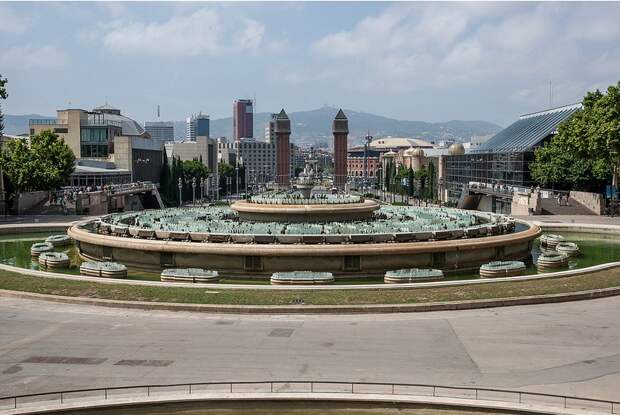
[415, 61]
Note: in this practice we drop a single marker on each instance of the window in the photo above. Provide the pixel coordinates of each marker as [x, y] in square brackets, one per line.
[253, 263]
[61, 130]
[352, 263]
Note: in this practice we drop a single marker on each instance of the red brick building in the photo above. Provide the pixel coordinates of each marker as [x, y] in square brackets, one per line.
[340, 128]
[282, 131]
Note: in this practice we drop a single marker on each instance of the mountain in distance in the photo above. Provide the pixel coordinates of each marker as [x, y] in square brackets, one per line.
[314, 127]
[18, 124]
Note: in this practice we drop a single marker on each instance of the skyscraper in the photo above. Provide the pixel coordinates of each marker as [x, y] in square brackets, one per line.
[243, 119]
[340, 128]
[197, 126]
[270, 136]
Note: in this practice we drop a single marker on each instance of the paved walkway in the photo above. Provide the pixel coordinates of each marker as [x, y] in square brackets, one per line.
[43, 218]
[602, 220]
[568, 348]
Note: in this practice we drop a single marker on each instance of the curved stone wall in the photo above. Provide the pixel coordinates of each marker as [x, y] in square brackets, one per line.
[252, 211]
[250, 258]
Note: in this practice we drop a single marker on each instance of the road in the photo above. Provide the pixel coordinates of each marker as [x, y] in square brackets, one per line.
[570, 348]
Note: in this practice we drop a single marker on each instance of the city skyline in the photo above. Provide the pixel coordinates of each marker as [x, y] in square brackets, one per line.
[414, 61]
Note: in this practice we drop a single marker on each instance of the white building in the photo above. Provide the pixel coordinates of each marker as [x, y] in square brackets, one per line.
[258, 158]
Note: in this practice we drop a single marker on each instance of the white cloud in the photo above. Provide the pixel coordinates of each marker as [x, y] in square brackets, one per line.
[10, 22]
[34, 57]
[252, 36]
[201, 32]
[415, 46]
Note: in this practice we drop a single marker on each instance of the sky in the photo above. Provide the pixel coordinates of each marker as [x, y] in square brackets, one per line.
[411, 61]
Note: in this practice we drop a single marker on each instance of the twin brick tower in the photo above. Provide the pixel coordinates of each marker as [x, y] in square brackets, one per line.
[282, 131]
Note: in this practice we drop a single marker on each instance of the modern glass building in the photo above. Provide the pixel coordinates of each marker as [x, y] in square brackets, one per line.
[198, 125]
[505, 158]
[160, 130]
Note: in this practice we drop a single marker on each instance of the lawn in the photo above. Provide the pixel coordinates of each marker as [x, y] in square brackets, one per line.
[189, 295]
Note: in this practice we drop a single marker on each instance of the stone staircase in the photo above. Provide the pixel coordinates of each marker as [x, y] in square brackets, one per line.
[550, 207]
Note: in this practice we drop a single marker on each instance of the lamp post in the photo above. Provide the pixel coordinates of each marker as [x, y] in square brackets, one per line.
[202, 187]
[208, 186]
[239, 162]
[194, 191]
[366, 146]
[180, 186]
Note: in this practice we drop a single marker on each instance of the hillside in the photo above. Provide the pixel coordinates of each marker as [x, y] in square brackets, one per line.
[314, 127]
[18, 124]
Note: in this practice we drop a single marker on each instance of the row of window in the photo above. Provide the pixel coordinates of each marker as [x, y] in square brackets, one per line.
[94, 150]
[94, 135]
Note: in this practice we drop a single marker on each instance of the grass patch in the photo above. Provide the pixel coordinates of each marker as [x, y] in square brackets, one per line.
[595, 280]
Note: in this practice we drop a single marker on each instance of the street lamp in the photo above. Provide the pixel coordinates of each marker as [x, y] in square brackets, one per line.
[202, 187]
[239, 162]
[194, 191]
[180, 186]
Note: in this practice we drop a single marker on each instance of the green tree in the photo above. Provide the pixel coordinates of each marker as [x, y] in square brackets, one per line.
[585, 154]
[410, 183]
[45, 164]
[430, 189]
[191, 169]
[227, 177]
[3, 95]
[194, 168]
[164, 181]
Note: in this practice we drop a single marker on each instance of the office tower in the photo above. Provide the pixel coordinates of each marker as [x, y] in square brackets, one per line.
[341, 131]
[160, 130]
[243, 119]
[197, 126]
[269, 126]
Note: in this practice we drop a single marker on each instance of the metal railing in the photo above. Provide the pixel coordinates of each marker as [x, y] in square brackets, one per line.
[153, 392]
[45, 121]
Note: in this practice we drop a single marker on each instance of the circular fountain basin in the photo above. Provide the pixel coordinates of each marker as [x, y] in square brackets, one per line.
[549, 260]
[58, 240]
[568, 248]
[219, 238]
[497, 269]
[550, 240]
[54, 260]
[189, 275]
[38, 248]
[409, 275]
[103, 269]
[302, 278]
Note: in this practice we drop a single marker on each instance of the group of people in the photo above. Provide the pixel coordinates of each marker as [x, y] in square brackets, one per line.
[562, 199]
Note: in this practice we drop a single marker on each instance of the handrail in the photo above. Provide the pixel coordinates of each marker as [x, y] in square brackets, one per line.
[391, 389]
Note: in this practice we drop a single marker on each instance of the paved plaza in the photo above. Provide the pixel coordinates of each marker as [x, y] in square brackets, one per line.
[569, 348]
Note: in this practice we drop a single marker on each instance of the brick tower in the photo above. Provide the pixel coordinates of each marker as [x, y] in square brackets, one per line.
[282, 131]
[340, 129]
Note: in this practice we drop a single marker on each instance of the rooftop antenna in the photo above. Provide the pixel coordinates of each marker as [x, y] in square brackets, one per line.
[158, 114]
[550, 94]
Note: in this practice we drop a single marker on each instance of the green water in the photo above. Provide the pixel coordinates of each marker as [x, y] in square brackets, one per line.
[595, 249]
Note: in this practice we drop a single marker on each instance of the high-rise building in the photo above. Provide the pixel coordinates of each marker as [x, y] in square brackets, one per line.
[197, 126]
[269, 126]
[160, 130]
[341, 132]
[282, 130]
[243, 119]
